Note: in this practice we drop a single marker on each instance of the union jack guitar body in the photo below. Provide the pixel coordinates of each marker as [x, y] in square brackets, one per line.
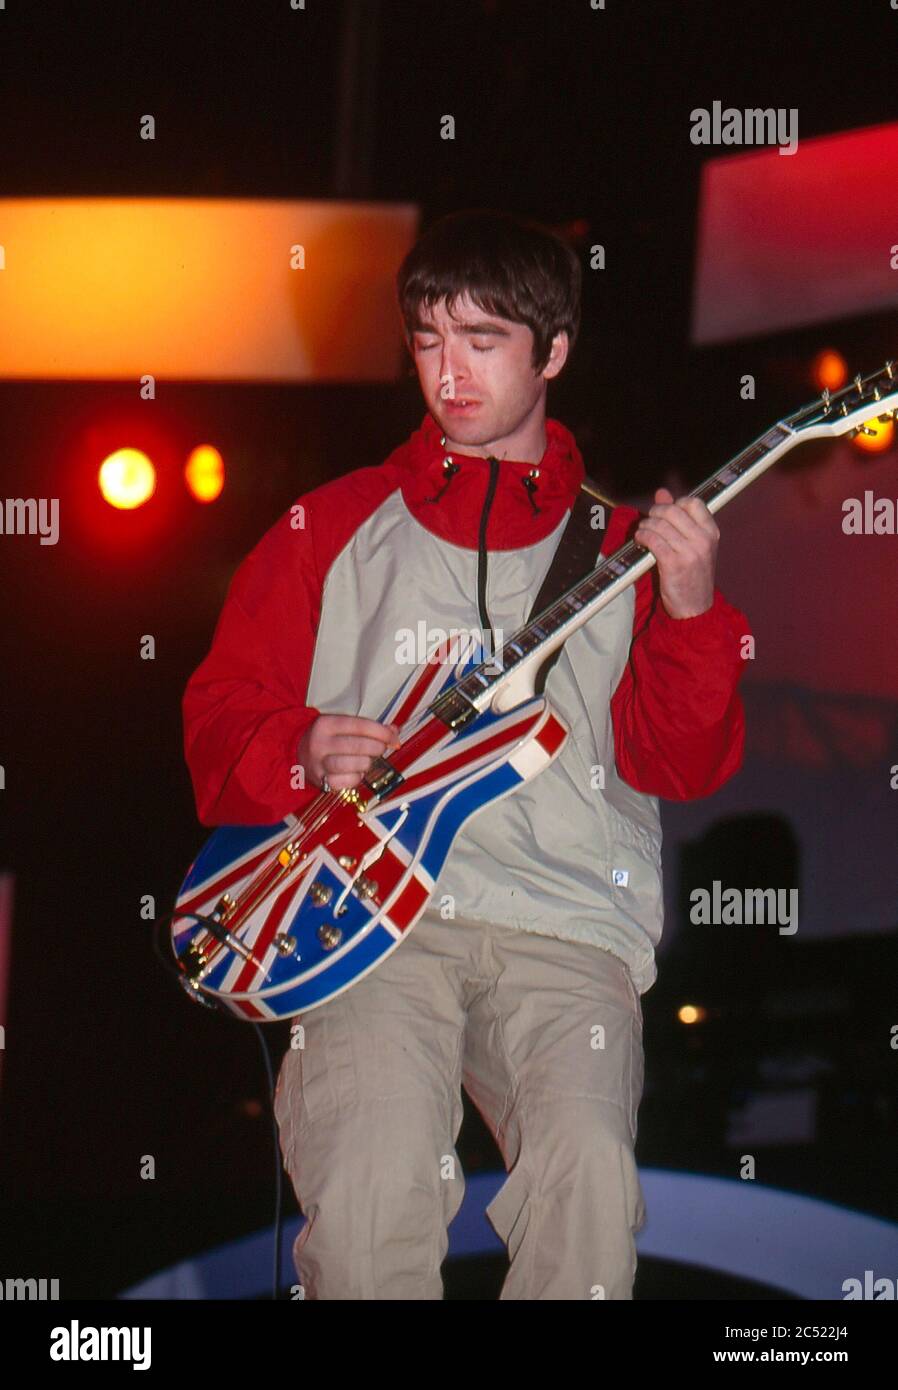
[326, 897]
[272, 921]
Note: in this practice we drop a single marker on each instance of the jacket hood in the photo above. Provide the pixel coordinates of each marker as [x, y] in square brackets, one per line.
[446, 490]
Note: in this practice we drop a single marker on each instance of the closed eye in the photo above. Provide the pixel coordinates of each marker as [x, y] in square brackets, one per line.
[425, 347]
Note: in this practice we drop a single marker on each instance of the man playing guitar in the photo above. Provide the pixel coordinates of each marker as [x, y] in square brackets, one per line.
[522, 979]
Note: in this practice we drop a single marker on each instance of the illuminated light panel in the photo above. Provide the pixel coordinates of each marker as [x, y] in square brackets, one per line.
[204, 473]
[202, 289]
[691, 1013]
[788, 241]
[127, 479]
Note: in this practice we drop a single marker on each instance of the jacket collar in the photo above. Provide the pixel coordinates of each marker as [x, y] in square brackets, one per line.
[449, 502]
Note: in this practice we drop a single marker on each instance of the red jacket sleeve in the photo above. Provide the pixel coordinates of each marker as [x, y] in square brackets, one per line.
[678, 719]
[244, 707]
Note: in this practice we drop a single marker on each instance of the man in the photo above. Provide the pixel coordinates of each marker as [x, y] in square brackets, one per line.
[522, 980]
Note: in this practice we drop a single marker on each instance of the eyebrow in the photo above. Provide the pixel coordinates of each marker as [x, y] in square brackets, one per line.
[483, 326]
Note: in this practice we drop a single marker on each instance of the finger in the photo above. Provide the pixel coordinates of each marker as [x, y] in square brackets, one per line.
[358, 724]
[349, 743]
[661, 527]
[344, 765]
[660, 547]
[695, 507]
[681, 520]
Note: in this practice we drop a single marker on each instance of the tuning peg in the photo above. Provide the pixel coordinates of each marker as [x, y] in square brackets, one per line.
[858, 381]
[863, 429]
[889, 365]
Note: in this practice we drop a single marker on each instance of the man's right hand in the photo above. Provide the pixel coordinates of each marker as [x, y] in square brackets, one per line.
[342, 747]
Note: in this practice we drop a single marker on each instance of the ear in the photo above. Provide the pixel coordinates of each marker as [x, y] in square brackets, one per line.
[557, 355]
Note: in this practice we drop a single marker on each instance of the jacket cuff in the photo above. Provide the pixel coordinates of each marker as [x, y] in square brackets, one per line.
[710, 625]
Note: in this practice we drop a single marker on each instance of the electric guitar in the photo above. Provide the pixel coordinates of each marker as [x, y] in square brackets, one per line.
[272, 921]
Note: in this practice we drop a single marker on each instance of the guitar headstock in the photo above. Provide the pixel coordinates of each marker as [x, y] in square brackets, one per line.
[848, 411]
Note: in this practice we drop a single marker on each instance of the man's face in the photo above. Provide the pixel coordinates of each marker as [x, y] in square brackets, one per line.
[477, 377]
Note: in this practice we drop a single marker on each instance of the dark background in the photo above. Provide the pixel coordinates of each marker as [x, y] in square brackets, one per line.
[575, 117]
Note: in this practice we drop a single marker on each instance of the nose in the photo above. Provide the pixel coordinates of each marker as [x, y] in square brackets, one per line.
[452, 369]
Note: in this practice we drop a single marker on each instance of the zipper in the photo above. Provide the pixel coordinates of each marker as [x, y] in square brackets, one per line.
[482, 557]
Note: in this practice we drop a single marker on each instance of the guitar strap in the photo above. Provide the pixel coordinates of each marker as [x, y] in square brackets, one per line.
[575, 557]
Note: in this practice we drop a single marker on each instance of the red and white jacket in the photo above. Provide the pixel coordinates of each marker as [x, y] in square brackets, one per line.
[317, 620]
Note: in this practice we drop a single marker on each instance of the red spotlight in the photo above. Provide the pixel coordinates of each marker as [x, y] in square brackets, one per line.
[204, 473]
[127, 479]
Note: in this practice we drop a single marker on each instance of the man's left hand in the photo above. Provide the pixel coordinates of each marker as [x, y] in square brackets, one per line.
[683, 538]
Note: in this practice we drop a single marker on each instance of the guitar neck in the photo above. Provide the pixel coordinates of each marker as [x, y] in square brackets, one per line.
[540, 636]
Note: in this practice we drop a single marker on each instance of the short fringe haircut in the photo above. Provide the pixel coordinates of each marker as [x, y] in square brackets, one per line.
[516, 269]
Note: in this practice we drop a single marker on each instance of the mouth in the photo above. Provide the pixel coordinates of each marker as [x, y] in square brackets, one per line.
[462, 405]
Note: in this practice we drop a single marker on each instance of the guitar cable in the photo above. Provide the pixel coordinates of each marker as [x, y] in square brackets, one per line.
[168, 964]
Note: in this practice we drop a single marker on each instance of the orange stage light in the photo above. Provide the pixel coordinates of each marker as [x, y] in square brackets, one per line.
[204, 473]
[882, 438]
[829, 370]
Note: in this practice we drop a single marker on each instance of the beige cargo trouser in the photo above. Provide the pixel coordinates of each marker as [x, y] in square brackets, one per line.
[546, 1037]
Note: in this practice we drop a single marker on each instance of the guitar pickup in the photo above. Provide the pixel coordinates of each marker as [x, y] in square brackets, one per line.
[453, 709]
[382, 777]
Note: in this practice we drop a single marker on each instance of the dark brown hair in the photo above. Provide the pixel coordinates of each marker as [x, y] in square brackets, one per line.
[513, 268]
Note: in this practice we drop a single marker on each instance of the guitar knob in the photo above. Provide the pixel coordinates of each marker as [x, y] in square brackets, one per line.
[320, 893]
[329, 935]
[285, 945]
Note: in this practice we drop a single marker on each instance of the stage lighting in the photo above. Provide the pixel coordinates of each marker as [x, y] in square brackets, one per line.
[829, 370]
[204, 473]
[876, 436]
[127, 479]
